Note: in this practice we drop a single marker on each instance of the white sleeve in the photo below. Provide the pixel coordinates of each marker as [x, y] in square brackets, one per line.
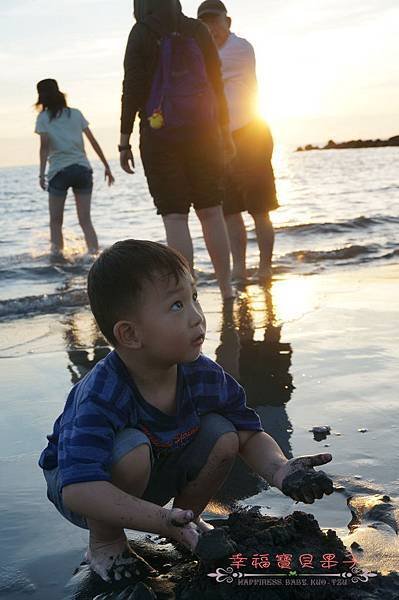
[250, 59]
[85, 122]
[40, 126]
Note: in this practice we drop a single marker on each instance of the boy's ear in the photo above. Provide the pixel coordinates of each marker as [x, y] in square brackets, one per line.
[126, 334]
[229, 22]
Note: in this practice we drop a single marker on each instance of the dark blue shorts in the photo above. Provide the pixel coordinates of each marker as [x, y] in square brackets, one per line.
[78, 177]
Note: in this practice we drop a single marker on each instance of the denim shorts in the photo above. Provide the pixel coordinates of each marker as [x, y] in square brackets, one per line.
[78, 177]
[171, 471]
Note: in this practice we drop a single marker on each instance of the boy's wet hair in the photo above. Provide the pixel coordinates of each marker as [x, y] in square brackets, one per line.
[116, 279]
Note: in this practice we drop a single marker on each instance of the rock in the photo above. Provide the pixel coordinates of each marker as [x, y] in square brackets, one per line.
[374, 527]
[331, 145]
[321, 432]
[356, 546]
[214, 545]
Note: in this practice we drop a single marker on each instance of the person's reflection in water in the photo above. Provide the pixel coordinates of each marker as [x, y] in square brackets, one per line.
[85, 344]
[262, 368]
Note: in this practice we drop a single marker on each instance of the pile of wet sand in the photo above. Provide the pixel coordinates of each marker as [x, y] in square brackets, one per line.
[249, 536]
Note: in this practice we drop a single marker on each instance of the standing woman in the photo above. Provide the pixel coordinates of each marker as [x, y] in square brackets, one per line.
[189, 172]
[61, 143]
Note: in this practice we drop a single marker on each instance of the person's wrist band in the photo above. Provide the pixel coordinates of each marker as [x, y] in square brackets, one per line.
[123, 148]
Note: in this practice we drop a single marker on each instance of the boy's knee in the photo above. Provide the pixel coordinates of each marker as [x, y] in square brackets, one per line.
[227, 446]
[132, 472]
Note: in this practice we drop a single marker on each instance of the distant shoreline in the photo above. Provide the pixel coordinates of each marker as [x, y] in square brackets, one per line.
[331, 145]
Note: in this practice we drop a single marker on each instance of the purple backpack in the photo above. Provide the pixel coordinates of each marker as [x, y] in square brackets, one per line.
[182, 103]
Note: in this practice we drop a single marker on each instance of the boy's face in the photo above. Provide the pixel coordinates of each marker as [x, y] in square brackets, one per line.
[170, 323]
[219, 26]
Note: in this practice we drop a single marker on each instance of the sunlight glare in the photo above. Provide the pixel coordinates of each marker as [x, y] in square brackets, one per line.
[293, 298]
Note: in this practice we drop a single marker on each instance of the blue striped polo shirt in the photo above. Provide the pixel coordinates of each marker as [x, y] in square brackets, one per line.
[107, 401]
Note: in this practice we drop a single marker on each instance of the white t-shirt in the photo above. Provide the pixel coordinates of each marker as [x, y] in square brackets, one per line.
[239, 77]
[65, 137]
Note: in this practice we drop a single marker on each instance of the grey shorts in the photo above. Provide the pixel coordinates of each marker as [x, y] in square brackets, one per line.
[171, 471]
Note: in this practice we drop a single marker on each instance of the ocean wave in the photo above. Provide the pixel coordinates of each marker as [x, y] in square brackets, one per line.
[393, 254]
[339, 226]
[61, 301]
[43, 303]
[30, 267]
[345, 253]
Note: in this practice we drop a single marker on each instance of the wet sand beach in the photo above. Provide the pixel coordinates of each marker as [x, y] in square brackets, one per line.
[312, 351]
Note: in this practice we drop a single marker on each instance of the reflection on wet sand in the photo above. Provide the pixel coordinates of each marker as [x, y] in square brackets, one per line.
[85, 345]
[262, 368]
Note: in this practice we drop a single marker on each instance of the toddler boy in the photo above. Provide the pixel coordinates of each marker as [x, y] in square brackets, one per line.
[155, 419]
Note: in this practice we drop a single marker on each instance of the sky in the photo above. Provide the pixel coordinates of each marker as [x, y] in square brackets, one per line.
[327, 69]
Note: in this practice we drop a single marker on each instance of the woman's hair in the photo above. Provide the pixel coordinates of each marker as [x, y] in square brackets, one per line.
[50, 97]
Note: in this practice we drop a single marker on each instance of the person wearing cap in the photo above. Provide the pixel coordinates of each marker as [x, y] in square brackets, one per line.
[179, 175]
[250, 182]
[61, 144]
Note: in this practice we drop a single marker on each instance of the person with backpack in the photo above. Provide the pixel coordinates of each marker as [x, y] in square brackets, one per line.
[250, 184]
[173, 80]
[61, 144]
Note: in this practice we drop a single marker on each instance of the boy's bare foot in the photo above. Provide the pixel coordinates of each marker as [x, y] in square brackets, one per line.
[115, 560]
[203, 526]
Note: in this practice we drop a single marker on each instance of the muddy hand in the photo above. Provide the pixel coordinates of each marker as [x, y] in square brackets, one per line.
[182, 528]
[299, 480]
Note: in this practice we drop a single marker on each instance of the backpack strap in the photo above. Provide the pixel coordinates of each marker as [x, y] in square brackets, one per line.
[166, 57]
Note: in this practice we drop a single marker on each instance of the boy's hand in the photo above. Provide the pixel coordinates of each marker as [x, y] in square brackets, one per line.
[180, 526]
[298, 479]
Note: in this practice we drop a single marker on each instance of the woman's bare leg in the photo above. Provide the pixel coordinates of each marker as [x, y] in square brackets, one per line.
[265, 236]
[56, 211]
[217, 243]
[238, 243]
[83, 205]
[178, 236]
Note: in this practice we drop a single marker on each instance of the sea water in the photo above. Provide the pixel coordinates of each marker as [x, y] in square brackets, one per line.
[339, 208]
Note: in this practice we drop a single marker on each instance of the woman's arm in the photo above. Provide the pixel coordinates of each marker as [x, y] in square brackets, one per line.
[100, 154]
[139, 65]
[44, 152]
